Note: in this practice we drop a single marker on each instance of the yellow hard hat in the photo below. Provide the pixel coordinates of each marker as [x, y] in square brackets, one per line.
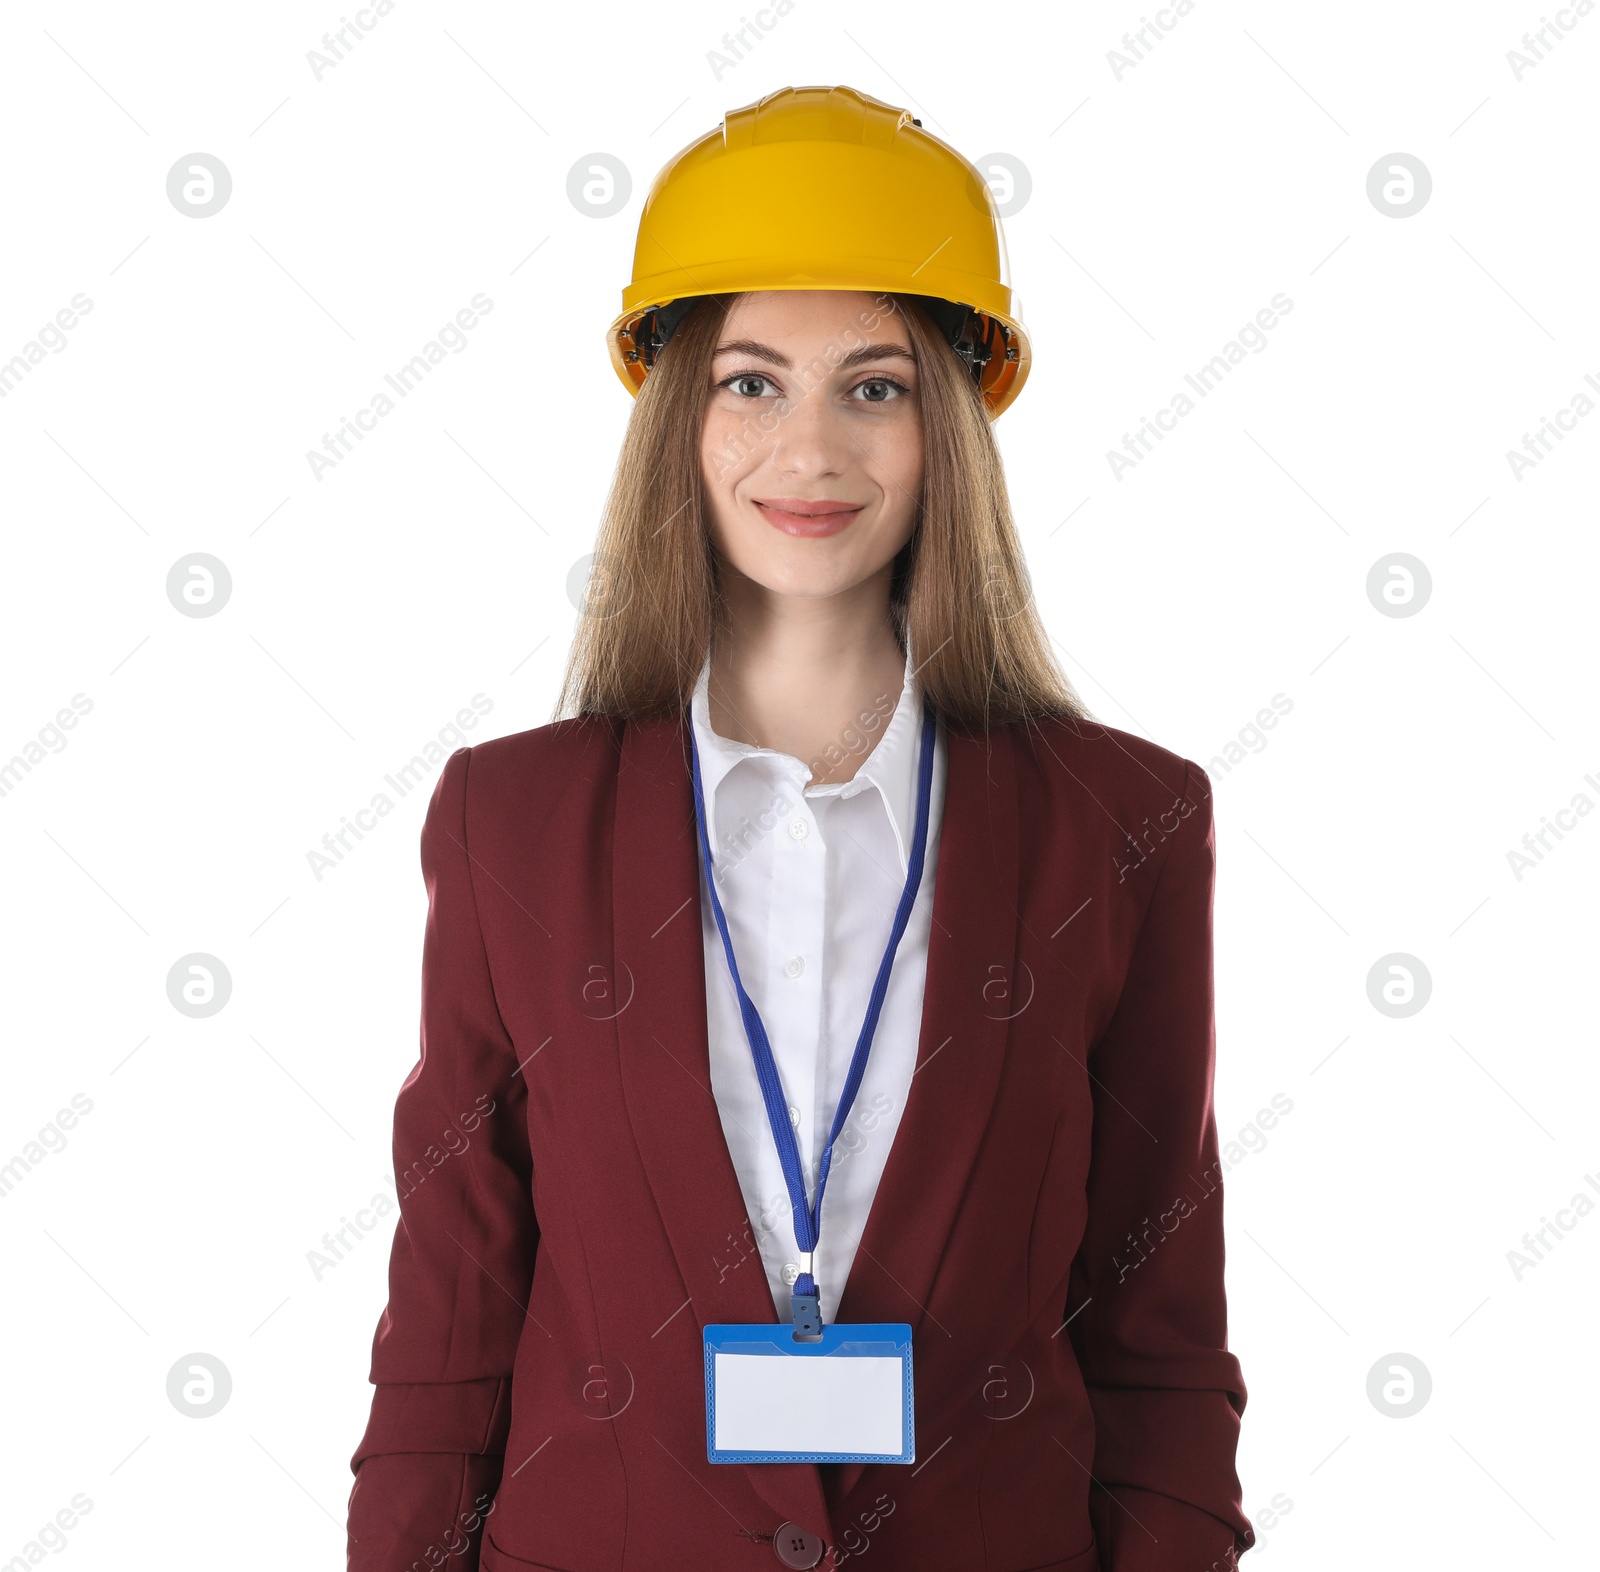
[825, 188]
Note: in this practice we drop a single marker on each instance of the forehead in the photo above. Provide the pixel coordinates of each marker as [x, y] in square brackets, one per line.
[795, 318]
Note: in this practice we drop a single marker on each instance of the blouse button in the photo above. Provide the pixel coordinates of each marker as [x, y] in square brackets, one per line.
[790, 1273]
[794, 966]
[798, 829]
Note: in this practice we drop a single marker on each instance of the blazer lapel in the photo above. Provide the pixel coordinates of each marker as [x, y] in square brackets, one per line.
[666, 1071]
[971, 995]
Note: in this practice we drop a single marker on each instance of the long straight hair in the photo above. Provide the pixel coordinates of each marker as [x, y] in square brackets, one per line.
[959, 588]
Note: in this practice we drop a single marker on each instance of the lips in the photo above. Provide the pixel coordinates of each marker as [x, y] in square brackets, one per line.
[809, 519]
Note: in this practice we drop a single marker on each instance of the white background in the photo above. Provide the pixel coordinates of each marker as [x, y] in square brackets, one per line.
[368, 607]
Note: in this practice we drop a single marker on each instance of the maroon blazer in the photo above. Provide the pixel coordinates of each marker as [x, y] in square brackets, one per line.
[1049, 1220]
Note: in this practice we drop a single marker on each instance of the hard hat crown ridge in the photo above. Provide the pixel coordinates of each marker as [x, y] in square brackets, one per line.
[825, 188]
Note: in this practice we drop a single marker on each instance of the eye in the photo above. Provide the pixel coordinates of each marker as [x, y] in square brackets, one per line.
[879, 390]
[749, 384]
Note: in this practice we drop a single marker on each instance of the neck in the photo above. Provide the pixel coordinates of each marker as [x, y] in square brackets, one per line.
[800, 674]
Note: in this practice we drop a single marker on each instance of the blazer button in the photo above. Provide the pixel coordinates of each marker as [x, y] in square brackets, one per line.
[795, 1547]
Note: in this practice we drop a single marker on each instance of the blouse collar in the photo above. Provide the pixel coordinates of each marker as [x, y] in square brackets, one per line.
[891, 766]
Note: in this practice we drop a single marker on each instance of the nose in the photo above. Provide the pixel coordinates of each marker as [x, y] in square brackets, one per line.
[812, 440]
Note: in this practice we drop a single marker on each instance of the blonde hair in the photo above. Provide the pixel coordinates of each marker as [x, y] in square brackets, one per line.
[959, 591]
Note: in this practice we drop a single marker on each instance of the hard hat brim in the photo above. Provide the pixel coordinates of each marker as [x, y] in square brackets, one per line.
[1002, 382]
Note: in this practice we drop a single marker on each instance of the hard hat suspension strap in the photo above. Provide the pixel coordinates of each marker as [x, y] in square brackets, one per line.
[973, 336]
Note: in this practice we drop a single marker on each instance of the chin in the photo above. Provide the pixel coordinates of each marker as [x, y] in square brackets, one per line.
[785, 566]
[808, 584]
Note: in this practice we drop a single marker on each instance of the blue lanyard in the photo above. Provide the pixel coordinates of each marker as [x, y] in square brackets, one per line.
[807, 1218]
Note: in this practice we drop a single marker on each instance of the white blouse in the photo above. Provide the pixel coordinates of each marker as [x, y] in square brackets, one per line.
[810, 878]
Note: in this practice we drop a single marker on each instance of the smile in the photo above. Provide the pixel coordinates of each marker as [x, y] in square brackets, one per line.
[810, 520]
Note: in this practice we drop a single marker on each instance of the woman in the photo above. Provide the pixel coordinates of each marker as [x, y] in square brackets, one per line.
[953, 962]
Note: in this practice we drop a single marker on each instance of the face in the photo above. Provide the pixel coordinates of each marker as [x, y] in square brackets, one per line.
[812, 443]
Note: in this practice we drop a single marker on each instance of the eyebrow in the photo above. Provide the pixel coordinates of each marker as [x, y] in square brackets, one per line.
[856, 357]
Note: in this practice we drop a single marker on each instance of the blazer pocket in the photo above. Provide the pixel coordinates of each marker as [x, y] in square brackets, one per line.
[491, 1558]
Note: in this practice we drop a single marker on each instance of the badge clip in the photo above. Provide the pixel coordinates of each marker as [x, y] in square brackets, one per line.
[806, 1302]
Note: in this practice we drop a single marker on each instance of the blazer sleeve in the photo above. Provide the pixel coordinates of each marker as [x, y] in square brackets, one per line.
[429, 1464]
[1148, 1315]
